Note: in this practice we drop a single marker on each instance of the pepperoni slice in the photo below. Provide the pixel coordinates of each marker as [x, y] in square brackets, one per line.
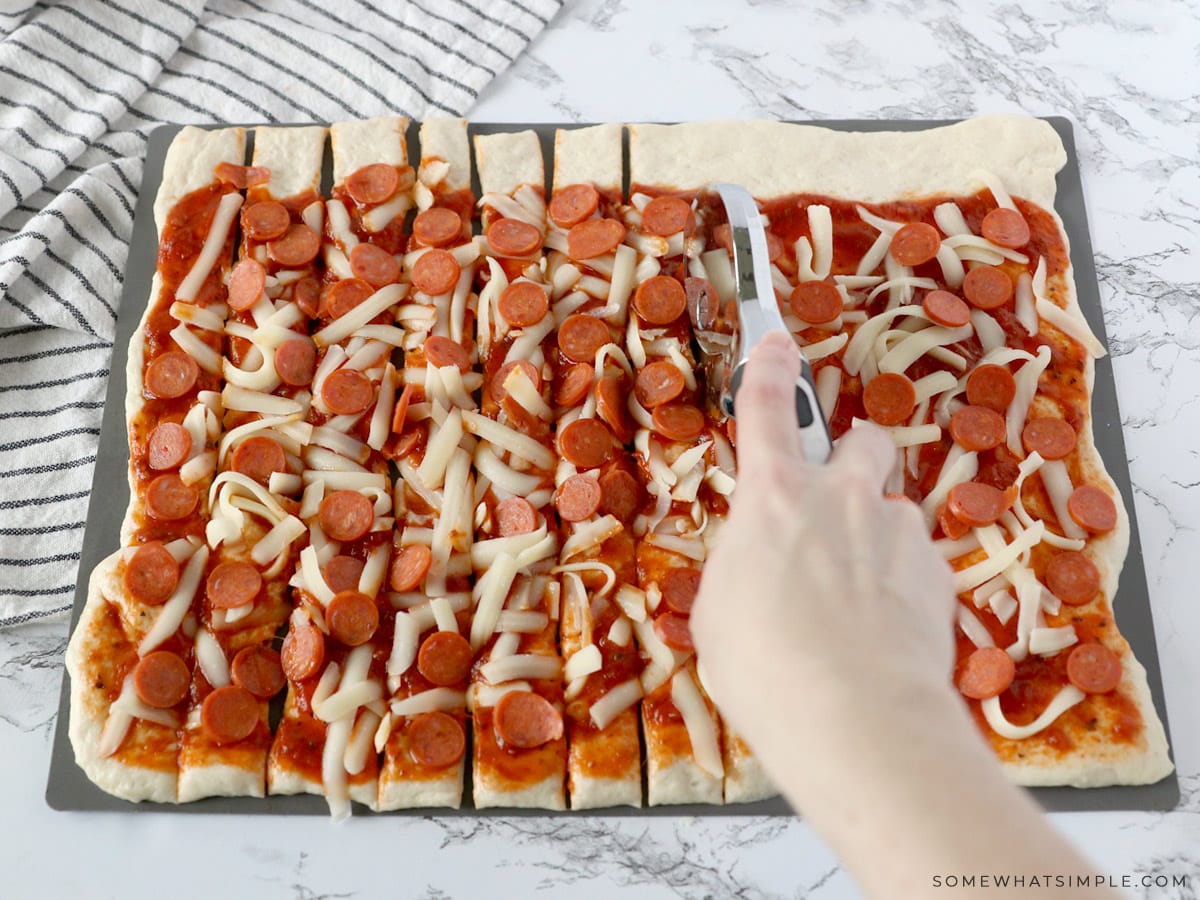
[171, 374]
[374, 265]
[342, 572]
[593, 238]
[445, 658]
[992, 387]
[346, 294]
[677, 421]
[347, 392]
[574, 384]
[229, 714]
[585, 443]
[1093, 668]
[241, 177]
[660, 300]
[436, 272]
[945, 308]
[296, 361]
[666, 216]
[1092, 509]
[578, 498]
[702, 301]
[233, 584]
[257, 457]
[610, 407]
[265, 220]
[247, 282]
[526, 720]
[977, 428]
[437, 226]
[723, 237]
[523, 304]
[620, 494]
[372, 184]
[151, 574]
[674, 631]
[169, 499]
[258, 670]
[658, 383]
[169, 445]
[581, 336]
[436, 739]
[1006, 227]
[515, 515]
[976, 504]
[890, 398]
[915, 243]
[441, 351]
[987, 287]
[679, 589]
[816, 302]
[409, 566]
[307, 294]
[353, 617]
[1051, 438]
[405, 445]
[346, 515]
[572, 204]
[952, 527]
[1072, 577]
[400, 413]
[529, 369]
[297, 247]
[987, 672]
[303, 652]
[161, 679]
[512, 237]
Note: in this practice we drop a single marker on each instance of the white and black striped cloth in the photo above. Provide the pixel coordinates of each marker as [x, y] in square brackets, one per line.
[82, 85]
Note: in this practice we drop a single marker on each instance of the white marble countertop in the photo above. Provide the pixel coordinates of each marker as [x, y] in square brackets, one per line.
[1100, 64]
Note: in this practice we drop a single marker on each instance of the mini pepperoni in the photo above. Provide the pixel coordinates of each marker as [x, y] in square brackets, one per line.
[441, 351]
[1006, 227]
[169, 499]
[1093, 668]
[346, 515]
[660, 300]
[525, 720]
[298, 246]
[674, 631]
[620, 494]
[816, 302]
[445, 658]
[1092, 509]
[610, 406]
[436, 739]
[890, 398]
[409, 566]
[679, 589]
[992, 387]
[247, 282]
[987, 287]
[677, 421]
[342, 572]
[437, 226]
[353, 617]
[436, 272]
[374, 265]
[1072, 577]
[347, 392]
[169, 445]
[666, 216]
[400, 413]
[512, 237]
[952, 527]
[976, 504]
[171, 374]
[515, 515]
[578, 498]
[580, 337]
[574, 385]
[161, 679]
[345, 295]
[945, 308]
[151, 574]
[229, 714]
[373, 184]
[296, 361]
[585, 443]
[1050, 438]
[258, 670]
[658, 383]
[257, 457]
[977, 428]
[593, 238]
[303, 652]
[265, 220]
[523, 304]
[527, 368]
[572, 204]
[405, 445]
[987, 672]
[703, 303]
[241, 177]
[307, 294]
[915, 243]
[232, 584]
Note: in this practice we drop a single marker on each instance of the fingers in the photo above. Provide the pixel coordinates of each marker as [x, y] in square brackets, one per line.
[868, 452]
[766, 412]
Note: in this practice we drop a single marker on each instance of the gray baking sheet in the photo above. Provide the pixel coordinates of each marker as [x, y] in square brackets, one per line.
[69, 789]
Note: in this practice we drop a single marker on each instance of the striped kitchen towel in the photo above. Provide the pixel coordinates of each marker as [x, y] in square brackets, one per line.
[82, 85]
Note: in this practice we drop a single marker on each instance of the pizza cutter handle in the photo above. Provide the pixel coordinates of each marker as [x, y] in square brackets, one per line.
[814, 432]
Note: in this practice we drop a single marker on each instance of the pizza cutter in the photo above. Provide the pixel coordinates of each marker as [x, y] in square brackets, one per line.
[728, 332]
